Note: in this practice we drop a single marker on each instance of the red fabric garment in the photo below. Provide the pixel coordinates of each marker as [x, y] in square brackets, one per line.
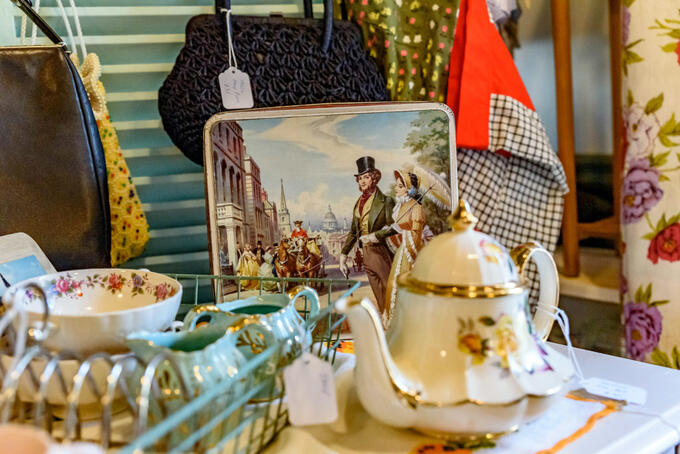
[299, 233]
[364, 198]
[480, 66]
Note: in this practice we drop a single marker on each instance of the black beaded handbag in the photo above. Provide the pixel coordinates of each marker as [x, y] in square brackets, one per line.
[289, 60]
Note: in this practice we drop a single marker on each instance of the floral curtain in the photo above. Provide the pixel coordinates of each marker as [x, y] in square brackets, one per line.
[650, 283]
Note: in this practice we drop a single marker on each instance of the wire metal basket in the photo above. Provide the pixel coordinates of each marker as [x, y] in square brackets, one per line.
[122, 402]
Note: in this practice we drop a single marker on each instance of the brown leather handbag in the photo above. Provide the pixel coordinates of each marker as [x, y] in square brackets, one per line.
[52, 170]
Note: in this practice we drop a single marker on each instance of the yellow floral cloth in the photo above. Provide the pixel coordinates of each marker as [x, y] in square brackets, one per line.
[129, 228]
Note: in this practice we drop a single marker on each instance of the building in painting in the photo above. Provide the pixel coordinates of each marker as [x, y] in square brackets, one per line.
[245, 215]
[285, 228]
[330, 237]
[334, 243]
[255, 216]
[230, 189]
[329, 223]
[271, 218]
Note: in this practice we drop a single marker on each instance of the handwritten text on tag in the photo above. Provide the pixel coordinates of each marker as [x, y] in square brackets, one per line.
[615, 390]
[310, 391]
[235, 89]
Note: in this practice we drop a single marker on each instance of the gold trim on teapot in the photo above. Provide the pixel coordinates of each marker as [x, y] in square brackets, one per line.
[414, 285]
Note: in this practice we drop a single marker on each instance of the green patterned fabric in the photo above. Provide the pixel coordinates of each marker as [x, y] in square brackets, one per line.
[411, 40]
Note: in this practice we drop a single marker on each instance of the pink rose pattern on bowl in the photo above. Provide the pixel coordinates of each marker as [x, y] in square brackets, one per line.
[113, 282]
[94, 310]
[650, 215]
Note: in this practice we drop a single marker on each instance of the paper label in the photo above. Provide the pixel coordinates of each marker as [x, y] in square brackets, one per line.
[615, 390]
[310, 391]
[235, 89]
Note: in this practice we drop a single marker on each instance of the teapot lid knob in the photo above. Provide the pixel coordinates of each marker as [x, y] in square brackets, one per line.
[462, 219]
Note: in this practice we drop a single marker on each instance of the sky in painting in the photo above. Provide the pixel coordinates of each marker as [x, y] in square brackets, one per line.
[316, 157]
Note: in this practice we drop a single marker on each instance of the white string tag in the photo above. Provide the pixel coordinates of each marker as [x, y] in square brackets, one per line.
[234, 84]
[563, 321]
[235, 89]
[310, 391]
[614, 390]
[595, 385]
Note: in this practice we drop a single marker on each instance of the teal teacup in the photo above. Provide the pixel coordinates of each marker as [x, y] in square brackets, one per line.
[276, 313]
[208, 353]
[192, 362]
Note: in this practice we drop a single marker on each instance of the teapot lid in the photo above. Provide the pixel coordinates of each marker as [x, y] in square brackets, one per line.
[463, 262]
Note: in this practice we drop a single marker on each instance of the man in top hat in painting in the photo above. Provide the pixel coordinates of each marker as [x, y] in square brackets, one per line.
[259, 252]
[370, 226]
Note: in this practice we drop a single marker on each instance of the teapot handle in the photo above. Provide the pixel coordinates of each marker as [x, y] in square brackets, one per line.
[250, 332]
[206, 313]
[312, 296]
[549, 283]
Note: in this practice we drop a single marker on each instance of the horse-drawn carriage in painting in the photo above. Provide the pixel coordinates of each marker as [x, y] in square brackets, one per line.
[299, 257]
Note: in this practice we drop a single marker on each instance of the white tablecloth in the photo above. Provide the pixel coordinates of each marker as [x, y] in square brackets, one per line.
[621, 432]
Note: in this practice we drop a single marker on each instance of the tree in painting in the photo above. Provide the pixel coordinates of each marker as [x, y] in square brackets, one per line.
[429, 142]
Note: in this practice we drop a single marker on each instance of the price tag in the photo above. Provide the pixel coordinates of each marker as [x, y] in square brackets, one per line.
[615, 390]
[235, 89]
[310, 391]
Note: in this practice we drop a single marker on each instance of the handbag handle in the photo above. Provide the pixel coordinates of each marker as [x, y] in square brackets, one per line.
[26, 7]
[309, 11]
[327, 17]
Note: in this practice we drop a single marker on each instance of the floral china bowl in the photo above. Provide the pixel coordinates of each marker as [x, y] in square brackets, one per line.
[94, 310]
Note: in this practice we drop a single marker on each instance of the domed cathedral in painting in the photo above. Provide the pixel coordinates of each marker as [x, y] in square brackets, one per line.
[330, 223]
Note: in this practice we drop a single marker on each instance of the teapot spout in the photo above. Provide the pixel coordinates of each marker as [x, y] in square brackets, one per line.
[383, 391]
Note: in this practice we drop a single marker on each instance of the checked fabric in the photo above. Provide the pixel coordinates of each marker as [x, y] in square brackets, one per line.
[507, 170]
[517, 198]
[528, 185]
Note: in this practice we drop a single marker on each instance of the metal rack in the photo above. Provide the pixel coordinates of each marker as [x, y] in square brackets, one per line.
[122, 402]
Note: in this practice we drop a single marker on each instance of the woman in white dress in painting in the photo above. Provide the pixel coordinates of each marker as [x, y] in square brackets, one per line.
[248, 266]
[412, 183]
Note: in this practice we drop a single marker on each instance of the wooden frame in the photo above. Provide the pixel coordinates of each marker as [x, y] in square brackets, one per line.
[572, 230]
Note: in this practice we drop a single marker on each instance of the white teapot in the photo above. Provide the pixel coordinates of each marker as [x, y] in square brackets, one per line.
[462, 358]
